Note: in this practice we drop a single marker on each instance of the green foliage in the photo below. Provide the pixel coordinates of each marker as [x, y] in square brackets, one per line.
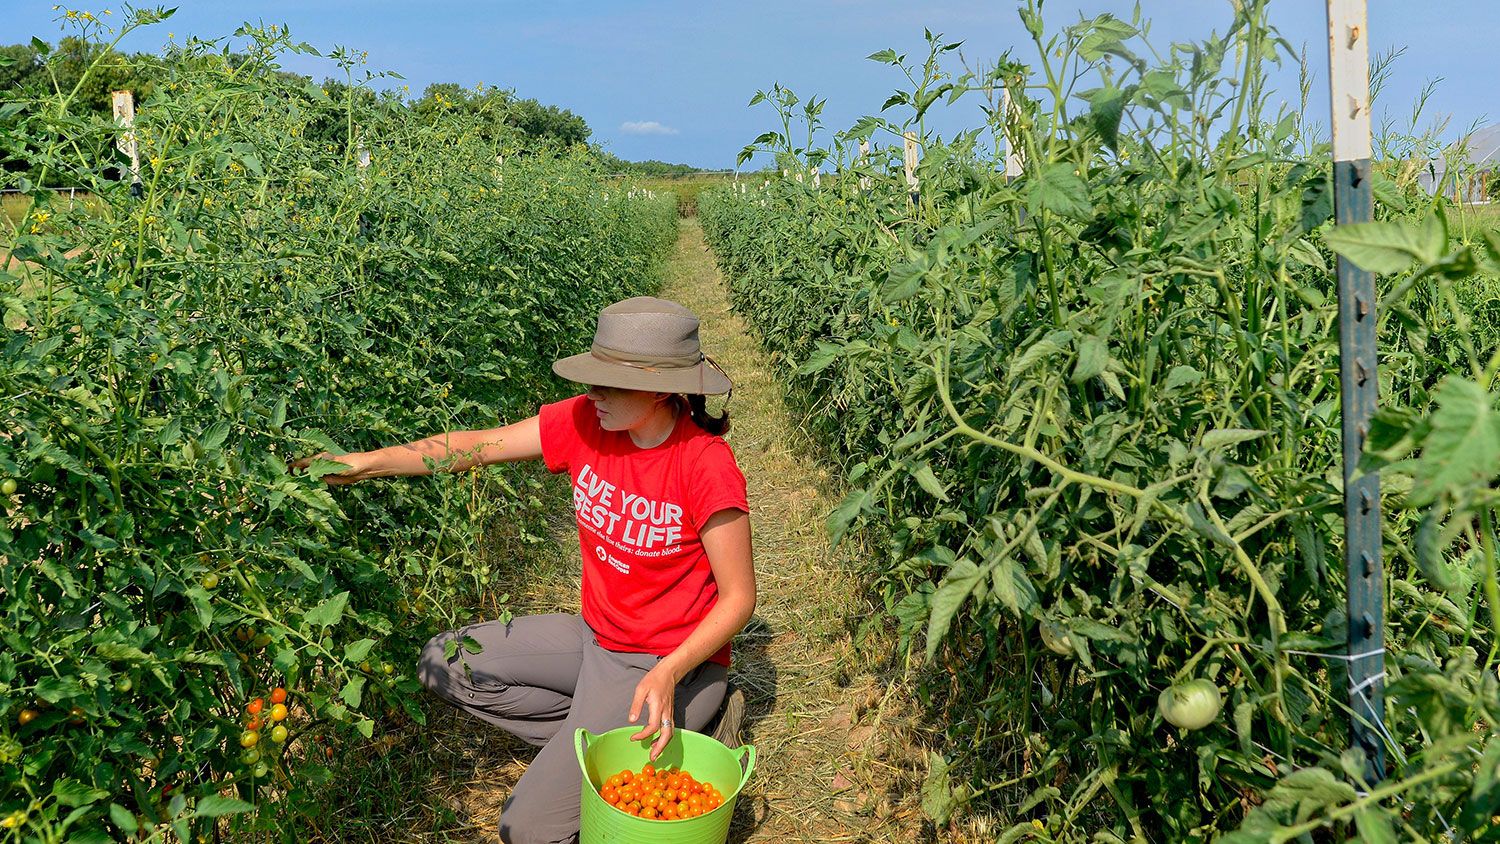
[165, 356]
[89, 69]
[1089, 419]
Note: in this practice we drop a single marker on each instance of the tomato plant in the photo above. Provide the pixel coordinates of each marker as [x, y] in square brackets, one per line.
[1088, 420]
[261, 296]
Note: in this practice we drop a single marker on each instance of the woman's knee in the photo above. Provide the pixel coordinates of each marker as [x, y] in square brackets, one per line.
[525, 822]
[433, 667]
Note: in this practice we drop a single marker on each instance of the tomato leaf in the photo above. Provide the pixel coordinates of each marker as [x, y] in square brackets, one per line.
[1386, 247]
[937, 790]
[1058, 189]
[356, 651]
[928, 480]
[1093, 356]
[1462, 449]
[216, 806]
[955, 588]
[1223, 437]
[327, 613]
[353, 691]
[71, 792]
[1374, 825]
[854, 503]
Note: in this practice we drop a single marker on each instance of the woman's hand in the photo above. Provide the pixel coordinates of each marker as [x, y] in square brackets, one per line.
[355, 472]
[655, 693]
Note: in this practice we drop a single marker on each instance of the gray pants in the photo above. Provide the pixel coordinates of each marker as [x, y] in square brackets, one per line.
[540, 678]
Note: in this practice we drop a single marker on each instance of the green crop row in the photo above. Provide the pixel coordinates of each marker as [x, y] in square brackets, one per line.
[264, 297]
[1089, 419]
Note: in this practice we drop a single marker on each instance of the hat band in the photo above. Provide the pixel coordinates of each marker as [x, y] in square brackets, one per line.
[649, 364]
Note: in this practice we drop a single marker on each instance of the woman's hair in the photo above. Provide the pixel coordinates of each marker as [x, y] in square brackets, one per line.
[697, 406]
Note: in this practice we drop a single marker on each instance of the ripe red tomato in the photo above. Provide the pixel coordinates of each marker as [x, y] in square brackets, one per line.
[278, 695]
[660, 794]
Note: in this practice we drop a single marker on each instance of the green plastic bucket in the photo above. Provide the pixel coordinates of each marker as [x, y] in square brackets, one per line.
[602, 756]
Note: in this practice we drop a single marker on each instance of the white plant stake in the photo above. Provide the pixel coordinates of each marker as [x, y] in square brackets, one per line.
[1013, 162]
[123, 103]
[864, 158]
[910, 158]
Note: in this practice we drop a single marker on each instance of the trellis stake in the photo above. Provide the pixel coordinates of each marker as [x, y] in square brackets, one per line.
[1349, 77]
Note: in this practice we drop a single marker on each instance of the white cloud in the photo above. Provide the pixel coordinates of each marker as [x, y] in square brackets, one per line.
[646, 127]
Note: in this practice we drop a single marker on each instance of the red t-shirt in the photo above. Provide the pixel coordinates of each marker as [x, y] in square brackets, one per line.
[646, 579]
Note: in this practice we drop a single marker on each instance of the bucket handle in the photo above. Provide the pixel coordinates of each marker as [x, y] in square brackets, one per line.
[579, 742]
[746, 756]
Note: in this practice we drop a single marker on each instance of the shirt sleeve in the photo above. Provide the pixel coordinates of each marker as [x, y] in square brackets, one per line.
[561, 433]
[717, 484]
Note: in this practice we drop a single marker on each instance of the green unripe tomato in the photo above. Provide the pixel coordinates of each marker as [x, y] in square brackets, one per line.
[210, 580]
[261, 640]
[250, 757]
[1055, 637]
[249, 738]
[124, 684]
[261, 769]
[278, 734]
[1192, 705]
[387, 668]
[8, 486]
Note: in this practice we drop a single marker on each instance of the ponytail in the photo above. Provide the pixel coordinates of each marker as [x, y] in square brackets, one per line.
[697, 407]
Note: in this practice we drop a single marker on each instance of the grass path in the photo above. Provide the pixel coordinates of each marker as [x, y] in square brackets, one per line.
[838, 756]
[815, 717]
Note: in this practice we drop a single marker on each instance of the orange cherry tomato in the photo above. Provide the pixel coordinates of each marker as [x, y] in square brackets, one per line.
[649, 770]
[610, 794]
[278, 695]
[255, 706]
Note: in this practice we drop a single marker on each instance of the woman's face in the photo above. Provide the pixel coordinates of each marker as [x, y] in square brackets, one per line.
[624, 410]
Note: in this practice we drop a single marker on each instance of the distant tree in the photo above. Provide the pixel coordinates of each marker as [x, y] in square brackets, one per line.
[652, 168]
[539, 124]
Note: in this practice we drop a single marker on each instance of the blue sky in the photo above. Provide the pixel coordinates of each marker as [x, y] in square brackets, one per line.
[669, 79]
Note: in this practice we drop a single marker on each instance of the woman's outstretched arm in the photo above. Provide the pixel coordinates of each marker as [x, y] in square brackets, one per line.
[452, 451]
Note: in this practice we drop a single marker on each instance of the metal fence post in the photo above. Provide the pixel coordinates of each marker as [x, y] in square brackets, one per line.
[1349, 76]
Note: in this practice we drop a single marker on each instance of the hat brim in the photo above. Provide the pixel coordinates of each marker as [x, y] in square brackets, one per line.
[587, 369]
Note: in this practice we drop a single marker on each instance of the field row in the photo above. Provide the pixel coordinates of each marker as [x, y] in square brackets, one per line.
[265, 297]
[1089, 421]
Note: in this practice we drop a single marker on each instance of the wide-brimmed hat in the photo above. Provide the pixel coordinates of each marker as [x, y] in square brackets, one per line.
[646, 343]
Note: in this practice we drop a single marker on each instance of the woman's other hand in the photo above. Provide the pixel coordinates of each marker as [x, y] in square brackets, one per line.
[655, 694]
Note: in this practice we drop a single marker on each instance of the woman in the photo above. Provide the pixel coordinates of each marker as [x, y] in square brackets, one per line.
[664, 529]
